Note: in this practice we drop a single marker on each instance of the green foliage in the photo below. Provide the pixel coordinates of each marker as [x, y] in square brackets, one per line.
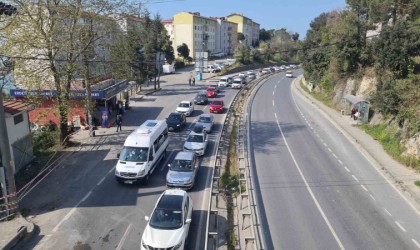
[265, 35]
[183, 51]
[44, 140]
[241, 36]
[417, 183]
[390, 140]
[243, 54]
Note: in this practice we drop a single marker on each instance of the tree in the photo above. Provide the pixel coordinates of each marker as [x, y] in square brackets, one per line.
[183, 51]
[167, 48]
[295, 36]
[264, 35]
[49, 32]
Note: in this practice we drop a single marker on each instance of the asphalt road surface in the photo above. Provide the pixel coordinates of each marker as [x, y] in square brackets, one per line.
[81, 206]
[315, 189]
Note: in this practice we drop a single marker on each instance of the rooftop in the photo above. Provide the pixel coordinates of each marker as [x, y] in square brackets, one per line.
[14, 107]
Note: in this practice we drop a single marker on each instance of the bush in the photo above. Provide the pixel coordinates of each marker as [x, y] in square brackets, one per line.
[44, 140]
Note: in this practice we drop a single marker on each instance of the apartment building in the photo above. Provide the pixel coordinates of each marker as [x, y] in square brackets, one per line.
[197, 31]
[169, 26]
[226, 36]
[246, 26]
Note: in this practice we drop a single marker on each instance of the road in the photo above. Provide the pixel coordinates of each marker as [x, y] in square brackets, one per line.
[315, 189]
[81, 206]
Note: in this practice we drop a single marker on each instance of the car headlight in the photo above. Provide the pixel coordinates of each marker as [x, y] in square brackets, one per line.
[141, 172]
[117, 172]
[177, 246]
[178, 125]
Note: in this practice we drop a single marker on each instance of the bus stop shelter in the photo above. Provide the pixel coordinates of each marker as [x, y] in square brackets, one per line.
[360, 103]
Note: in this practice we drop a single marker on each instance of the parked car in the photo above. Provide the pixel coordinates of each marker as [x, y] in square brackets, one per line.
[169, 223]
[201, 98]
[176, 121]
[185, 107]
[237, 83]
[206, 121]
[289, 74]
[217, 106]
[168, 69]
[196, 142]
[213, 69]
[211, 92]
[182, 170]
[218, 67]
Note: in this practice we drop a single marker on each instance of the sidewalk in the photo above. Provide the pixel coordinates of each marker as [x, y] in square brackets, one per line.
[14, 230]
[18, 228]
[401, 176]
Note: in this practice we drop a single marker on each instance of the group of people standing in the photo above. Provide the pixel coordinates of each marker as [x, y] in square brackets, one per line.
[191, 81]
[355, 113]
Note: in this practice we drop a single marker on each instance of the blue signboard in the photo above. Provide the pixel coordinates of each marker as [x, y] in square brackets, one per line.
[77, 94]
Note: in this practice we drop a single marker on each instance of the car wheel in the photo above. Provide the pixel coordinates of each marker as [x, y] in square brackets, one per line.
[146, 179]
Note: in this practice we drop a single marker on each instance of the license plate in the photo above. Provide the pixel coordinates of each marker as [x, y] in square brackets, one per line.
[128, 182]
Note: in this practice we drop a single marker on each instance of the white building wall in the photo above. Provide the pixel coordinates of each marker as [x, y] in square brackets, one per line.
[180, 38]
[16, 132]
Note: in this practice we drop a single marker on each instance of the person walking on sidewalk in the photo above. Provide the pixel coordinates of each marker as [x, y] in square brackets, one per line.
[193, 81]
[189, 81]
[119, 122]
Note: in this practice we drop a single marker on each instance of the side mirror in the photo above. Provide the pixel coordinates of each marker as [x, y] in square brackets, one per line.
[118, 155]
[146, 218]
[169, 165]
[188, 221]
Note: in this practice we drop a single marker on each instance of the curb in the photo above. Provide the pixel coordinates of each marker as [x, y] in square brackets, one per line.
[401, 187]
[23, 233]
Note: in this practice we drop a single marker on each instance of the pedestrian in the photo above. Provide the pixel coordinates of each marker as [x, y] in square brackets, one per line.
[193, 81]
[189, 81]
[353, 112]
[119, 122]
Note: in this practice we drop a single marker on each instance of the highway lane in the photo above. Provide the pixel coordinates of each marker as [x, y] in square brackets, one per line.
[80, 205]
[316, 190]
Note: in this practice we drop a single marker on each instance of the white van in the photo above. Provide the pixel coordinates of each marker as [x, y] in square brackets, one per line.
[142, 151]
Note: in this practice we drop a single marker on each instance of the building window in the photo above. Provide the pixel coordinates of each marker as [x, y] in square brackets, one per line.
[18, 118]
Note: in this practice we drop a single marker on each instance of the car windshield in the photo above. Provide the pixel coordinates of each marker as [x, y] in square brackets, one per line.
[134, 154]
[223, 80]
[174, 118]
[166, 219]
[204, 119]
[218, 103]
[184, 105]
[181, 165]
[214, 86]
[210, 89]
[195, 138]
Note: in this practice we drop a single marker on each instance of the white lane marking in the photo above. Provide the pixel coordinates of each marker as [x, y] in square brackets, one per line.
[355, 178]
[275, 115]
[273, 103]
[310, 191]
[363, 186]
[275, 86]
[71, 212]
[120, 245]
[400, 226]
[192, 123]
[330, 150]
[373, 198]
[166, 161]
[339, 161]
[334, 156]
[325, 144]
[373, 163]
[416, 243]
[100, 182]
[311, 127]
[348, 170]
[316, 134]
[273, 92]
[387, 212]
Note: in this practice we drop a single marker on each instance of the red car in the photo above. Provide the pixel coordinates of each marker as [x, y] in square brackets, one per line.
[211, 92]
[217, 106]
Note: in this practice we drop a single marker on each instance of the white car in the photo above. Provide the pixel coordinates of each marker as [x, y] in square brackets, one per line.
[237, 83]
[196, 142]
[223, 82]
[289, 74]
[185, 107]
[168, 226]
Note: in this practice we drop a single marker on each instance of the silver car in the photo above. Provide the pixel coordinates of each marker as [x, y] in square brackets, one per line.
[182, 170]
[205, 120]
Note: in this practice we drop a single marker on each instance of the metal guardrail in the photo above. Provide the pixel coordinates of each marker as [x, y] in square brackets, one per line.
[222, 142]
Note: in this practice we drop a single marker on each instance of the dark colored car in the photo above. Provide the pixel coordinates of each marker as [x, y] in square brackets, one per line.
[211, 92]
[217, 106]
[201, 98]
[176, 121]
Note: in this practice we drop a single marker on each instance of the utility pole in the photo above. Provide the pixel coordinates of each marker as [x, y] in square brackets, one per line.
[7, 171]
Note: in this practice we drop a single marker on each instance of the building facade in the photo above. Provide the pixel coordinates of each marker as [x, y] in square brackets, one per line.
[247, 27]
[226, 37]
[169, 26]
[198, 32]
